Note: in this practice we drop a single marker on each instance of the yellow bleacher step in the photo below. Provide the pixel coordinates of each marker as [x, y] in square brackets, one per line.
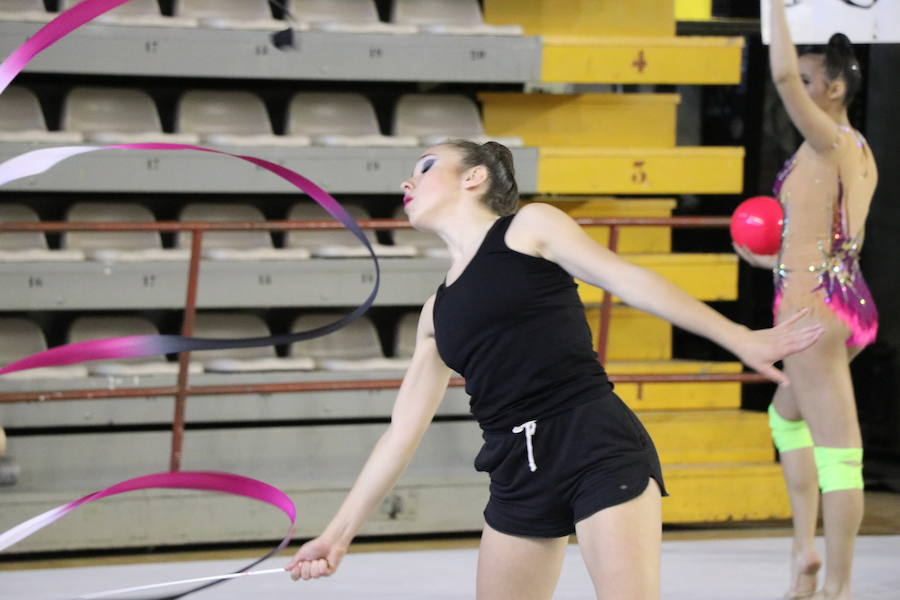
[716, 492]
[693, 10]
[633, 334]
[646, 170]
[676, 396]
[709, 277]
[582, 119]
[694, 60]
[588, 17]
[704, 436]
[632, 240]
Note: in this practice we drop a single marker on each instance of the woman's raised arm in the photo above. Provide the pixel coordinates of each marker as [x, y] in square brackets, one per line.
[814, 124]
[553, 235]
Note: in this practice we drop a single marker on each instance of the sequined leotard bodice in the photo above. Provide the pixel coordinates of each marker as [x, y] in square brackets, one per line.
[835, 271]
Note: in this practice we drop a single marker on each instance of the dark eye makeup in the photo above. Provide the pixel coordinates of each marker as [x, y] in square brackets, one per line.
[427, 164]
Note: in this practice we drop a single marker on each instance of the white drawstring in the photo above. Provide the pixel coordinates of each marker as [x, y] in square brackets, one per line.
[529, 427]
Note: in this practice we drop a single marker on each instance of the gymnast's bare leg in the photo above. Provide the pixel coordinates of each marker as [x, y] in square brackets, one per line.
[621, 547]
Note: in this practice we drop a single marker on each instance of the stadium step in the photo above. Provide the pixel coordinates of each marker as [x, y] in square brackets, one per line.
[699, 493]
[582, 119]
[647, 170]
[724, 492]
[585, 17]
[676, 396]
[633, 335]
[709, 436]
[632, 240]
[635, 60]
[597, 41]
[708, 277]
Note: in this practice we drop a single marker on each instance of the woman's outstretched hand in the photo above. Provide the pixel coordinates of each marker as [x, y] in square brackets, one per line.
[761, 348]
[763, 261]
[316, 558]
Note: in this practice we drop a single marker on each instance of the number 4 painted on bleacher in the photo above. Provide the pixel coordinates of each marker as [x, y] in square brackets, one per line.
[640, 63]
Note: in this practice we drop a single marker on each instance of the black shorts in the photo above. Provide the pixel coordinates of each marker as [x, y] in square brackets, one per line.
[547, 475]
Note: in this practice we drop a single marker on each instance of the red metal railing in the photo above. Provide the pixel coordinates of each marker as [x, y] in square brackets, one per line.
[182, 390]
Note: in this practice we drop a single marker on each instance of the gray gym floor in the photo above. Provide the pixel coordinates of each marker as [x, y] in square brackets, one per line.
[733, 569]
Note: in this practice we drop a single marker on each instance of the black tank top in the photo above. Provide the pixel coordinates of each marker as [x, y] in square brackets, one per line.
[514, 327]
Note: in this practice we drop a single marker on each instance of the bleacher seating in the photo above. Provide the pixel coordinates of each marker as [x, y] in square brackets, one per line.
[117, 246]
[28, 246]
[249, 245]
[344, 16]
[237, 118]
[136, 13]
[22, 337]
[338, 119]
[434, 118]
[241, 360]
[453, 17]
[32, 11]
[116, 116]
[356, 347]
[337, 243]
[405, 336]
[99, 327]
[230, 14]
[21, 120]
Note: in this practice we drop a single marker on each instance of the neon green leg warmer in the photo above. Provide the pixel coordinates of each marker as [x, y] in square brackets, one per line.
[839, 468]
[788, 435]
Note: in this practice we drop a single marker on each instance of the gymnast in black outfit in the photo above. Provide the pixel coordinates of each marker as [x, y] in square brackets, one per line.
[563, 452]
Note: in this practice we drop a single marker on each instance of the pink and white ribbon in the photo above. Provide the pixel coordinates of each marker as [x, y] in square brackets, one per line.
[226, 483]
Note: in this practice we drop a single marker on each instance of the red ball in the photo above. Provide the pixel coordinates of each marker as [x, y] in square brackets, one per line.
[757, 223]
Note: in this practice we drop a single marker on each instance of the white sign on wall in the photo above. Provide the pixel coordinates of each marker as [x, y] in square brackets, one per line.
[863, 21]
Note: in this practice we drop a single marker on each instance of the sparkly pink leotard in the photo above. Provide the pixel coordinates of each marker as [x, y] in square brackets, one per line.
[838, 272]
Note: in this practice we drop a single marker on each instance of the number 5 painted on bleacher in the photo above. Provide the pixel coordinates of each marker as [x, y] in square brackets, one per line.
[639, 175]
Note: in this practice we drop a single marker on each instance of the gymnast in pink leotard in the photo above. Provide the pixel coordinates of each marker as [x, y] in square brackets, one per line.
[836, 269]
[825, 189]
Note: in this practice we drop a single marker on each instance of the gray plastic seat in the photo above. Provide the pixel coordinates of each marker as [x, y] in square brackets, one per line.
[455, 17]
[22, 337]
[237, 360]
[230, 118]
[85, 329]
[28, 246]
[338, 119]
[30, 11]
[221, 212]
[19, 338]
[345, 16]
[136, 13]
[21, 119]
[117, 246]
[405, 337]
[337, 243]
[355, 347]
[434, 118]
[427, 244]
[116, 115]
[250, 245]
[230, 14]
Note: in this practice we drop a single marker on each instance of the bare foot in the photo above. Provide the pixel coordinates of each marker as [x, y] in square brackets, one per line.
[804, 569]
